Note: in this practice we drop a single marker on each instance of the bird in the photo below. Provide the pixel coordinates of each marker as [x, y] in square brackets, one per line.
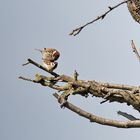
[134, 9]
[49, 54]
[49, 66]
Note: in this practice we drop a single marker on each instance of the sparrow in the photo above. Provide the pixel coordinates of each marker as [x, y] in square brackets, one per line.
[49, 54]
[50, 66]
[134, 9]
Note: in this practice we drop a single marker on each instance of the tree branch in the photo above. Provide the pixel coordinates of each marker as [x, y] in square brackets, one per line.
[79, 29]
[107, 91]
[40, 79]
[30, 61]
[135, 50]
[128, 116]
[99, 120]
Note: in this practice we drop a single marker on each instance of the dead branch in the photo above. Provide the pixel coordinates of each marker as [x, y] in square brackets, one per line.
[79, 29]
[39, 66]
[135, 50]
[100, 120]
[128, 116]
[107, 91]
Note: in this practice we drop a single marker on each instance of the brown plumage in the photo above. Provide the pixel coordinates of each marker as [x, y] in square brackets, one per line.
[50, 66]
[50, 54]
[49, 57]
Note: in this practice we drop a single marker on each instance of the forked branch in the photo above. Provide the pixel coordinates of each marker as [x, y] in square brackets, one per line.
[79, 29]
[107, 91]
[100, 120]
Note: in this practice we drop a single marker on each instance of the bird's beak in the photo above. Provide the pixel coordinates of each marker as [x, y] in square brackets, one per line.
[38, 50]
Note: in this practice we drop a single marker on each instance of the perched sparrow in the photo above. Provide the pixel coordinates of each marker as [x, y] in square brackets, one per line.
[50, 54]
[134, 9]
[50, 66]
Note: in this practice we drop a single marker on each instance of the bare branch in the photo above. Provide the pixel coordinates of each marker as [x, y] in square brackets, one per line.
[79, 29]
[128, 116]
[25, 63]
[44, 83]
[135, 50]
[75, 75]
[26, 79]
[100, 120]
[41, 67]
[109, 92]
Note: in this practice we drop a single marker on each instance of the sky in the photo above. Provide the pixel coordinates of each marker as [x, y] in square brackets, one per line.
[101, 52]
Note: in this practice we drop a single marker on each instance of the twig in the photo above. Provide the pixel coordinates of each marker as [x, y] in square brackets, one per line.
[75, 75]
[135, 50]
[44, 83]
[25, 63]
[128, 116]
[41, 67]
[100, 120]
[79, 29]
[26, 79]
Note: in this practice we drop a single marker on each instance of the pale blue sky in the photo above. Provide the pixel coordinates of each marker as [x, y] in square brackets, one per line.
[100, 52]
